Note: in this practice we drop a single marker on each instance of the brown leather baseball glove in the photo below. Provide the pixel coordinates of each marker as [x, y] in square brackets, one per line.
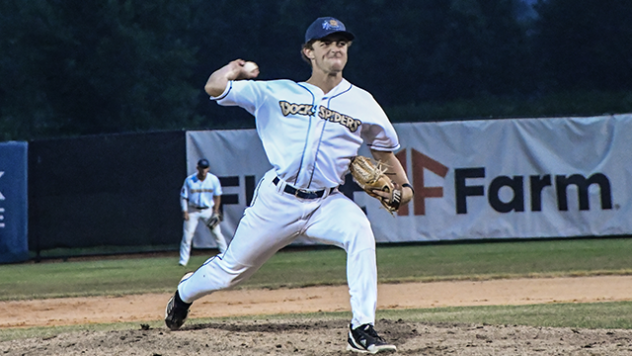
[214, 220]
[370, 176]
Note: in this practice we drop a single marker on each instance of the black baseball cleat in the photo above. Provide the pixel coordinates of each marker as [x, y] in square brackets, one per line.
[177, 311]
[364, 339]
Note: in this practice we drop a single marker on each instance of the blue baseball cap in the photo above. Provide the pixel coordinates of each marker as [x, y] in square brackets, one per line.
[203, 163]
[325, 26]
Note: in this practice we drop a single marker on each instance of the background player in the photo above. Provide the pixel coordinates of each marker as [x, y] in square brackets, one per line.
[200, 200]
[310, 131]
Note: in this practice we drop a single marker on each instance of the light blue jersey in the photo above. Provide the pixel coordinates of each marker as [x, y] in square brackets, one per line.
[199, 193]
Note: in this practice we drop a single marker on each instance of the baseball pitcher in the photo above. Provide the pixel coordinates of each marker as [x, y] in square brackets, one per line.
[311, 131]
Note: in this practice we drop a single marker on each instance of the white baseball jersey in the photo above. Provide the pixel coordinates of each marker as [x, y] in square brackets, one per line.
[200, 193]
[308, 136]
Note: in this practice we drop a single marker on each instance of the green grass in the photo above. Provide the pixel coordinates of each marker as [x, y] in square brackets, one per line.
[491, 260]
[506, 259]
[613, 315]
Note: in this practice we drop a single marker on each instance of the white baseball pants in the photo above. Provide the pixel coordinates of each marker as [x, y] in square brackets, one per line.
[273, 221]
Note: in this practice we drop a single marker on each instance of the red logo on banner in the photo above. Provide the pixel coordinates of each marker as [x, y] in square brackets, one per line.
[420, 162]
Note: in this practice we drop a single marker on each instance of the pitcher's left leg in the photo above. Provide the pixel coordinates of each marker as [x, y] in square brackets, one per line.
[339, 221]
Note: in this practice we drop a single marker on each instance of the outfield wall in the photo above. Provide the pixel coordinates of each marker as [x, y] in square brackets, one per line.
[487, 179]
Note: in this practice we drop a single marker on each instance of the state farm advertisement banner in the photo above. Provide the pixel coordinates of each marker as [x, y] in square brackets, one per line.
[518, 178]
[511, 178]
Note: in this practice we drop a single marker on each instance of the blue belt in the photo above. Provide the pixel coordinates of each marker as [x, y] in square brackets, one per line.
[302, 193]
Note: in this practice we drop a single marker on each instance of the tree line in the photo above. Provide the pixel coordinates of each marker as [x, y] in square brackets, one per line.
[76, 67]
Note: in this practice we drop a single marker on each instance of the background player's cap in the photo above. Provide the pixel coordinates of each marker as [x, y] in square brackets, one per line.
[325, 26]
[203, 163]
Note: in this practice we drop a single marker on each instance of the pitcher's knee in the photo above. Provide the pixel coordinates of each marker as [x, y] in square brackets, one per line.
[359, 239]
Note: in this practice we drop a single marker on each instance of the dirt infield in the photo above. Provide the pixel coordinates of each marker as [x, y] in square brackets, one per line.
[322, 337]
